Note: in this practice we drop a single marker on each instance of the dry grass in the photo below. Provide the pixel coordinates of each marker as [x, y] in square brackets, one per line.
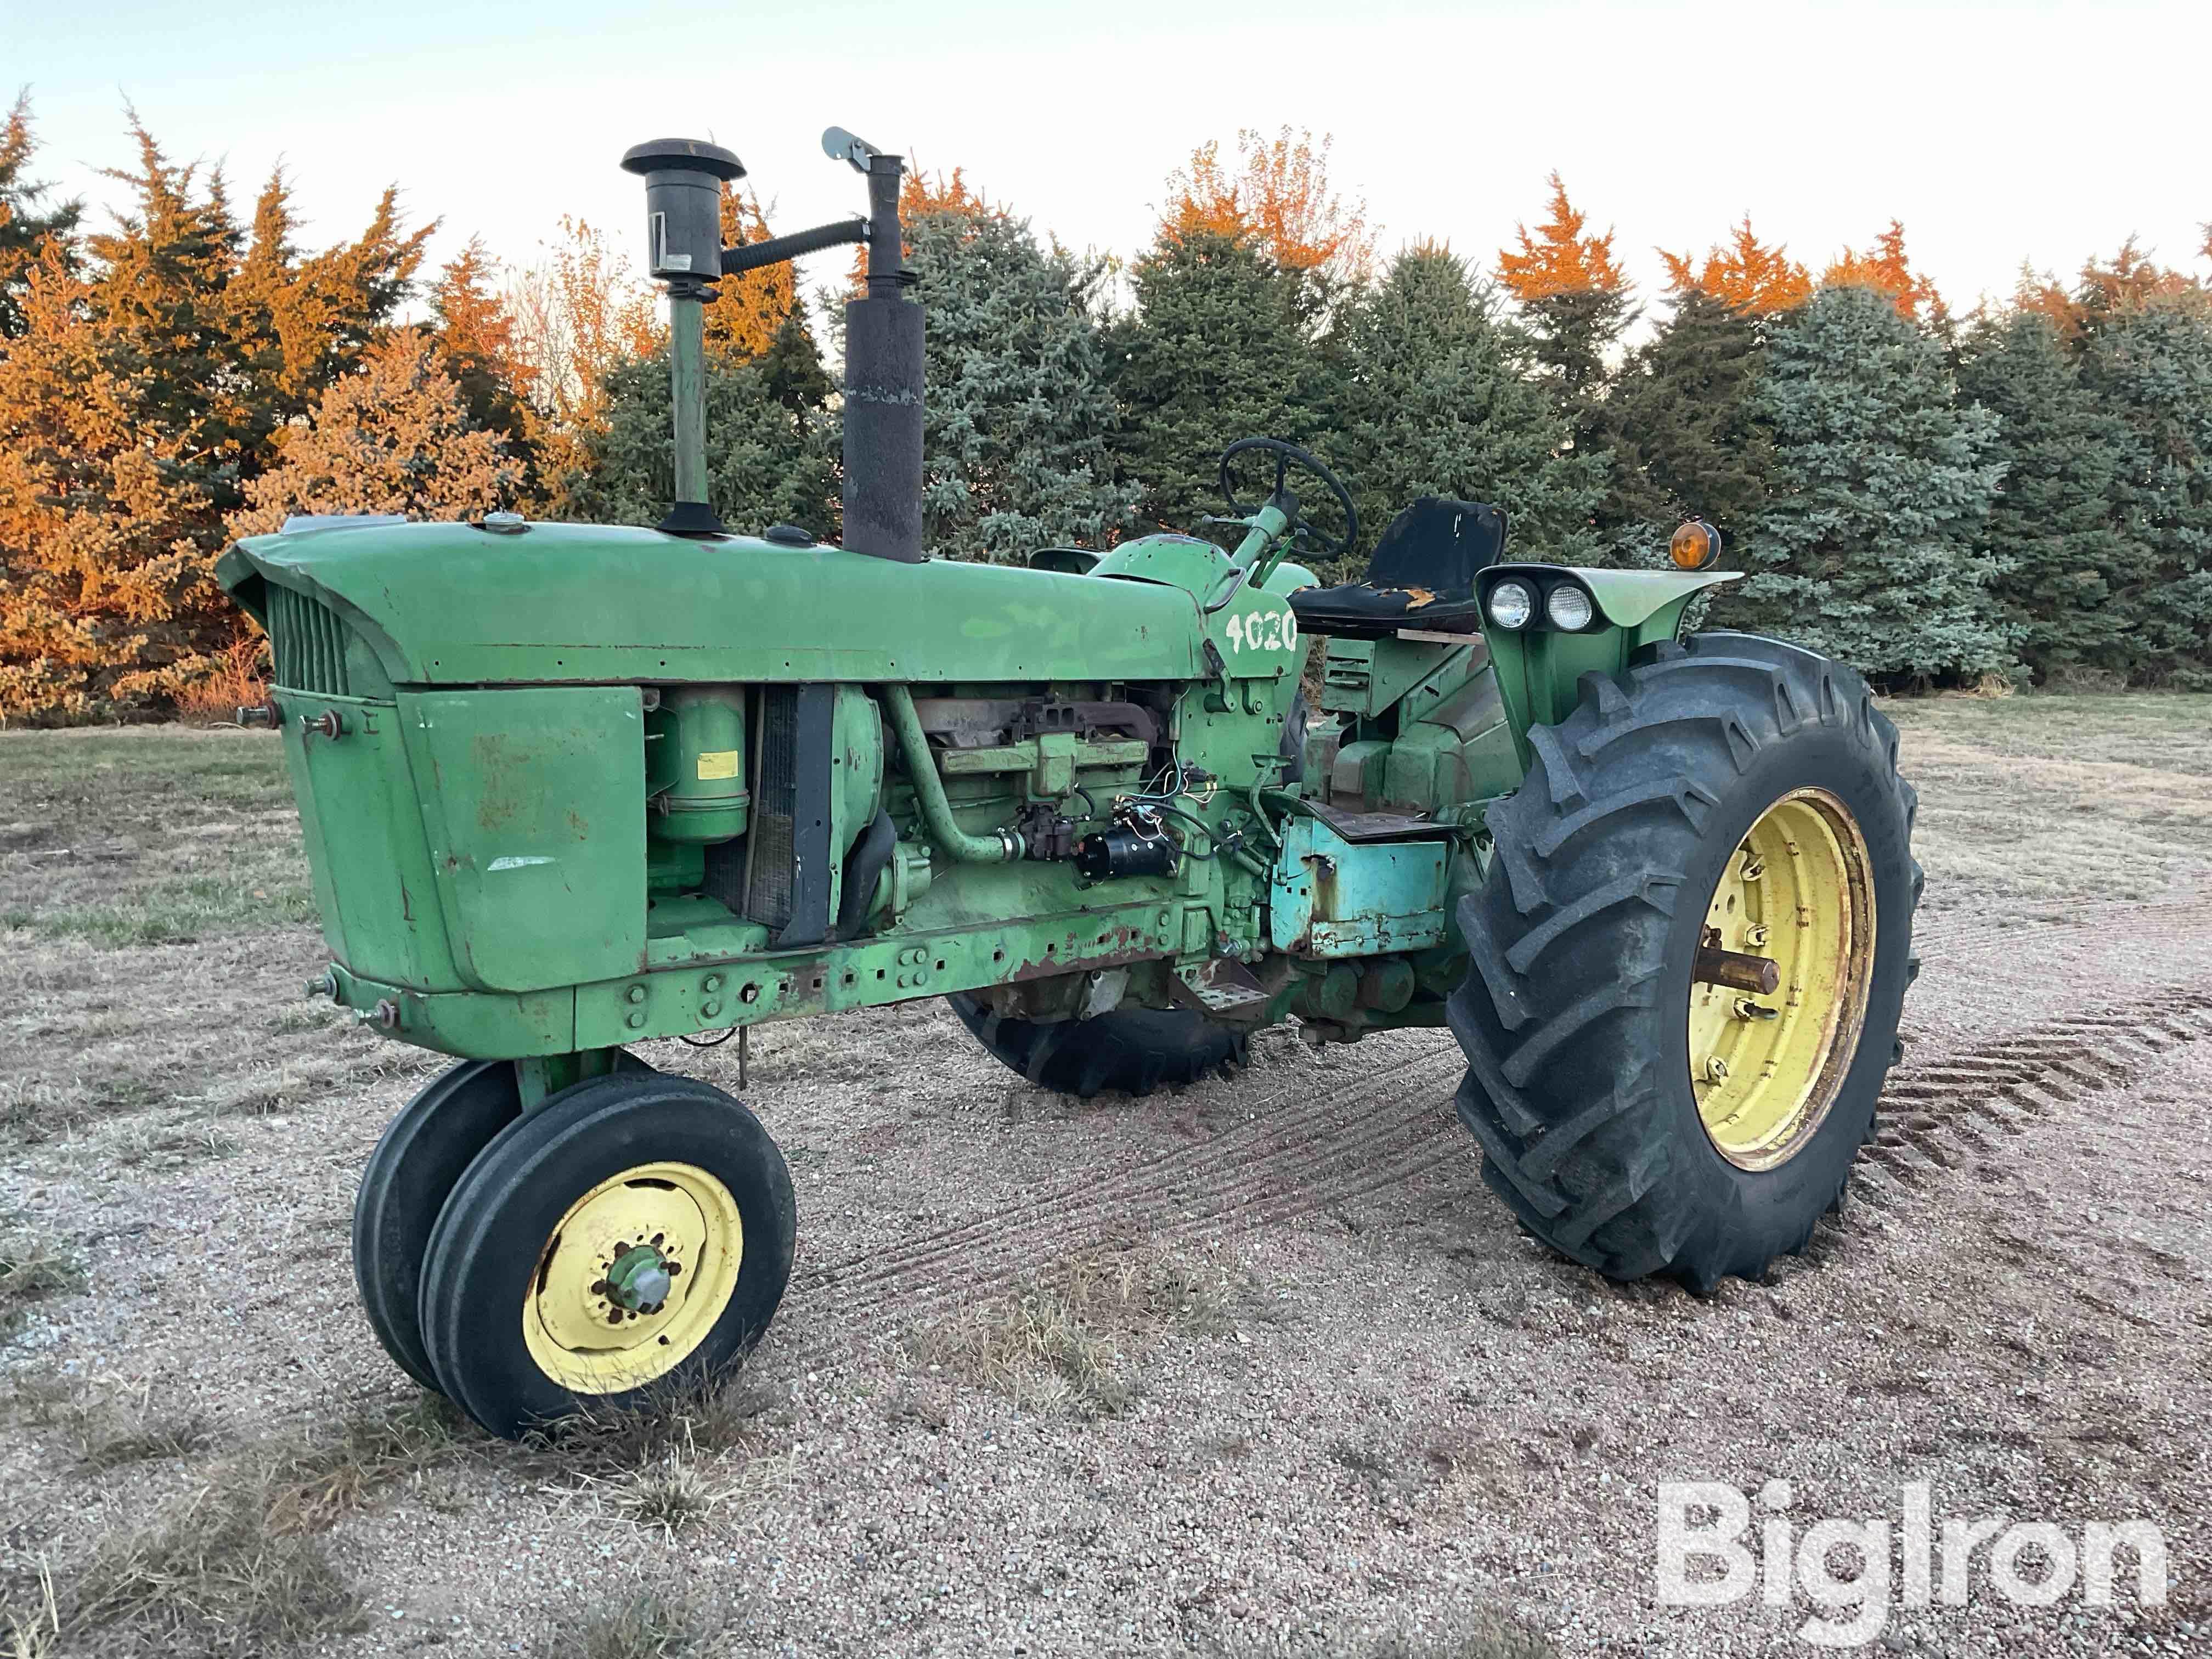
[147, 836]
[650, 1625]
[233, 1566]
[1068, 1338]
[312, 1482]
[32, 1268]
[2032, 804]
[130, 1428]
[206, 1575]
[691, 1449]
[690, 1417]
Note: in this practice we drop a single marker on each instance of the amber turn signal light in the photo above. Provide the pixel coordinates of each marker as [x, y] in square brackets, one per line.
[1696, 545]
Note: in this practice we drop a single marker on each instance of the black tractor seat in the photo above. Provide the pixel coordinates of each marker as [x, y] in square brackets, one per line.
[1422, 575]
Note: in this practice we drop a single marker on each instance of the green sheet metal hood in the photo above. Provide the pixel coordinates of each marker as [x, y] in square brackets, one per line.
[453, 604]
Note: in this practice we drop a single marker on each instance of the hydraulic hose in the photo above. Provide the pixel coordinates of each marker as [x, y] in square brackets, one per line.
[1002, 847]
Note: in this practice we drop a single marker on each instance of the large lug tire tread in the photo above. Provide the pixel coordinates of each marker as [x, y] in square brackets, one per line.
[421, 1157]
[488, 1239]
[1572, 1017]
[1131, 1051]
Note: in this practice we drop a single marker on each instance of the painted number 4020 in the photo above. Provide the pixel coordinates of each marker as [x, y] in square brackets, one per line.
[1263, 630]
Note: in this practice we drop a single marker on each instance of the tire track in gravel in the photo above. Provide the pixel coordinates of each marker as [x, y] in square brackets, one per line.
[1374, 1132]
[1940, 1116]
[1957, 932]
[1275, 1153]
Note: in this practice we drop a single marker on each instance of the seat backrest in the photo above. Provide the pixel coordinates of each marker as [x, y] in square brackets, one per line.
[1438, 544]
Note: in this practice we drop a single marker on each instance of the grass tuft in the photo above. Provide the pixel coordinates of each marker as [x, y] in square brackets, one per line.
[129, 1429]
[207, 1574]
[650, 1625]
[31, 1271]
[312, 1483]
[1058, 1341]
[677, 1417]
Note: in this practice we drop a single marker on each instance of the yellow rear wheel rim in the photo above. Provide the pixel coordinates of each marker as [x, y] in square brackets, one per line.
[675, 1220]
[1766, 1069]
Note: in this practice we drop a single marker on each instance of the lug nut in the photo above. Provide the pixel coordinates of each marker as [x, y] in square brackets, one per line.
[1716, 1069]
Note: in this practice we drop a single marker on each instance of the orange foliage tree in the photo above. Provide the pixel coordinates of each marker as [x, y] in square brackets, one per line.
[392, 437]
[2127, 281]
[156, 362]
[749, 310]
[1277, 192]
[1559, 259]
[577, 313]
[1885, 269]
[1577, 296]
[1747, 274]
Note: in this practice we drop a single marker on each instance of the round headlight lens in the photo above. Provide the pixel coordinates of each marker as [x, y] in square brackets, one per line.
[1568, 608]
[1511, 605]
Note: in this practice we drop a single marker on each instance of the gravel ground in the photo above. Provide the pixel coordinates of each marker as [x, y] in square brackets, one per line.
[1320, 1396]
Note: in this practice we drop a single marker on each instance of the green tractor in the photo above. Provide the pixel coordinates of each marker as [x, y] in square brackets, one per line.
[569, 788]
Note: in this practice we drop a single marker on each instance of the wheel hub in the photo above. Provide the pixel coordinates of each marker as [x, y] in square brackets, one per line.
[641, 1278]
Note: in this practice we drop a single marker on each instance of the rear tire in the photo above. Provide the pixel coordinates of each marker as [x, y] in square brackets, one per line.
[1130, 1050]
[1574, 1016]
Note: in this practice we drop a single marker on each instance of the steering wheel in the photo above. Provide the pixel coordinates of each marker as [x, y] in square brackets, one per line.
[1287, 456]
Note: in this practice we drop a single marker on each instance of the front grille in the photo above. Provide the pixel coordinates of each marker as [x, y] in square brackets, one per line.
[773, 858]
[310, 642]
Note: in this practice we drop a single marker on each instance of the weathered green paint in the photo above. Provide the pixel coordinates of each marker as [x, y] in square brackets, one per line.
[1633, 599]
[535, 818]
[511, 849]
[1540, 668]
[687, 353]
[451, 605]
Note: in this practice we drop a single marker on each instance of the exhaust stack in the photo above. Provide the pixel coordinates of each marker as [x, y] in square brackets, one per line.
[683, 178]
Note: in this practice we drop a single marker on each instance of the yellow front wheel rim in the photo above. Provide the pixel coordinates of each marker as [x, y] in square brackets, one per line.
[633, 1278]
[1766, 1068]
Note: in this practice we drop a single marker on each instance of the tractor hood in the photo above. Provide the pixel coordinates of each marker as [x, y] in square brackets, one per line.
[553, 604]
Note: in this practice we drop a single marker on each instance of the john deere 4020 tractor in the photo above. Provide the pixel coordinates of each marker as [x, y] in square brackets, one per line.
[570, 788]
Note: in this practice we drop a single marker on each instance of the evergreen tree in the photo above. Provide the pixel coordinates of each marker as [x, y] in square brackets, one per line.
[393, 436]
[2150, 366]
[768, 462]
[476, 339]
[1223, 344]
[1577, 299]
[140, 401]
[1019, 412]
[28, 222]
[1680, 426]
[2052, 537]
[1747, 274]
[1880, 488]
[1441, 401]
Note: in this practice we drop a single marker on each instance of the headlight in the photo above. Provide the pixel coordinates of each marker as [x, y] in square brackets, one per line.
[1568, 608]
[1511, 605]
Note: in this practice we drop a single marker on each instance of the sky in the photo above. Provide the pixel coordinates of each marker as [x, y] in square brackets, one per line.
[1996, 133]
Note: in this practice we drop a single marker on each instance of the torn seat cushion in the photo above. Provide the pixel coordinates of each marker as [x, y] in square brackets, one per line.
[1422, 575]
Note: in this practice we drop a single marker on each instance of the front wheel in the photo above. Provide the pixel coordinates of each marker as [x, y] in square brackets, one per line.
[1726, 814]
[632, 1230]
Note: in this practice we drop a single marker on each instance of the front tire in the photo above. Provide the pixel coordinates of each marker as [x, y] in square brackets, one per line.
[1628, 1118]
[421, 1155]
[632, 1231]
